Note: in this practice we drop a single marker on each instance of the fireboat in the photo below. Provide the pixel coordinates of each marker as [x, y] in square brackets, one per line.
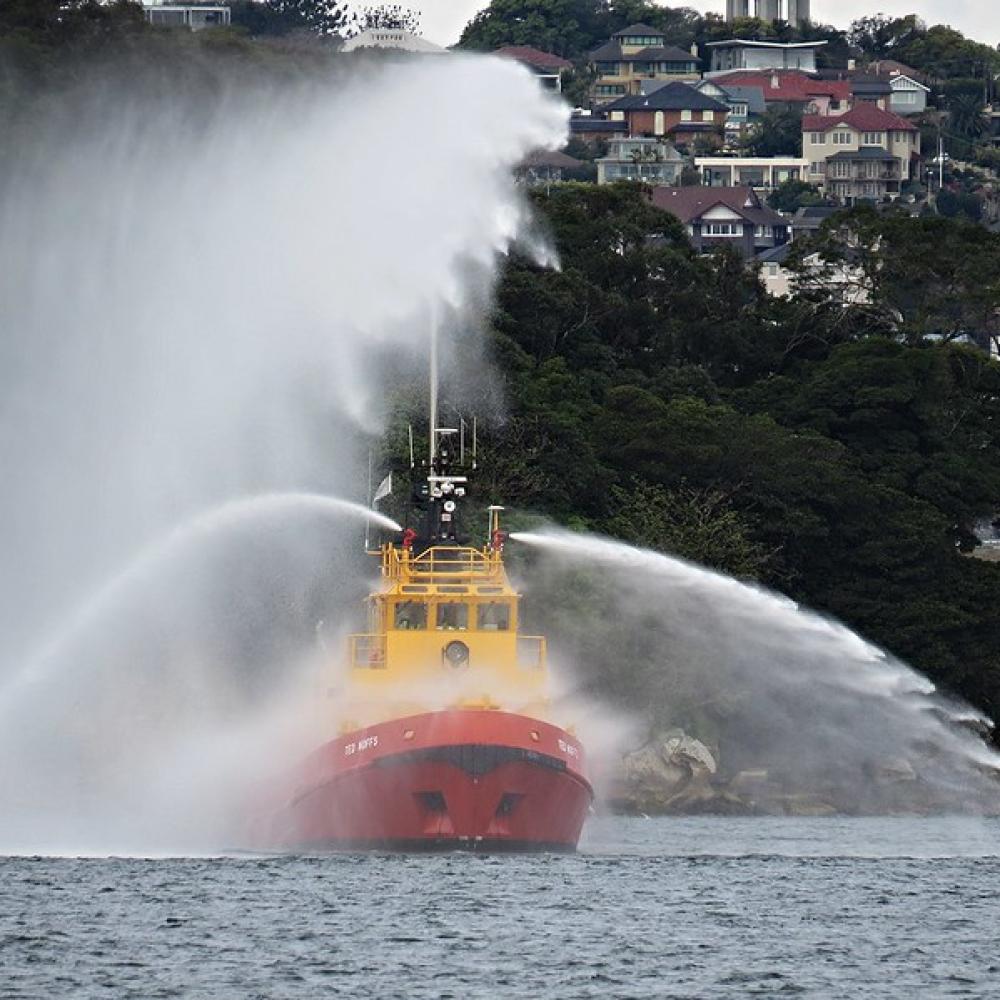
[445, 736]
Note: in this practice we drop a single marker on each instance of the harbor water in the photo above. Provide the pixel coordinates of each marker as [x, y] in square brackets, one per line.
[890, 907]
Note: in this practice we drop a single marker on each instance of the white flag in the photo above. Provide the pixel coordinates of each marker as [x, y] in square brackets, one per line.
[384, 489]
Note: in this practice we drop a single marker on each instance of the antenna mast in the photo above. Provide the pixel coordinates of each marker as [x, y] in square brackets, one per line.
[434, 388]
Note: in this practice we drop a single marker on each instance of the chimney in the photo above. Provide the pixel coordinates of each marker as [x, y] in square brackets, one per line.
[775, 81]
[694, 49]
[852, 65]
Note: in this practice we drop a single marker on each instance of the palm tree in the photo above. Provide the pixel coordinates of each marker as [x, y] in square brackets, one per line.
[967, 116]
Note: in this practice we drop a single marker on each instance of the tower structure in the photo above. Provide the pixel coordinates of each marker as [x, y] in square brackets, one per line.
[795, 12]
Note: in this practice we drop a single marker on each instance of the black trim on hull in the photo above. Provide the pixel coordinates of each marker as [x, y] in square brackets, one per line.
[421, 845]
[475, 759]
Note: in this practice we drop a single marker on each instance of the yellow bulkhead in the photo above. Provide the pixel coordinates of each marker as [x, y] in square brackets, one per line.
[443, 633]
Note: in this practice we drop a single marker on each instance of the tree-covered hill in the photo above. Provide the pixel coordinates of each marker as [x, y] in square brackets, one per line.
[850, 463]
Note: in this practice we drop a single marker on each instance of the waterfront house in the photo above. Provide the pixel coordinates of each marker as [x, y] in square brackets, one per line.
[546, 66]
[636, 53]
[650, 160]
[715, 217]
[746, 104]
[793, 88]
[392, 38]
[864, 154]
[762, 173]
[676, 110]
[743, 54]
[544, 167]
[909, 96]
[873, 89]
[193, 16]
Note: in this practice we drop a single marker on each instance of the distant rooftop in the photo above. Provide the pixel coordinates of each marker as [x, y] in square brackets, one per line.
[535, 58]
[750, 44]
[675, 96]
[638, 29]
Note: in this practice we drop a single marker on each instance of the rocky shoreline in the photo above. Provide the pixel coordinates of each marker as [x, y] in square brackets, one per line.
[674, 774]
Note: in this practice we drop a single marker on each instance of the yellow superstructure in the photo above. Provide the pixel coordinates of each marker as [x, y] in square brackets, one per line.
[443, 633]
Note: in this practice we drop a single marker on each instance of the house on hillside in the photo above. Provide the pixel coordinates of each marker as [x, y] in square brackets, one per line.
[794, 89]
[909, 96]
[676, 110]
[873, 89]
[392, 38]
[547, 67]
[742, 54]
[864, 154]
[845, 282]
[193, 16]
[762, 173]
[651, 161]
[892, 67]
[544, 167]
[715, 217]
[595, 128]
[634, 54]
[746, 105]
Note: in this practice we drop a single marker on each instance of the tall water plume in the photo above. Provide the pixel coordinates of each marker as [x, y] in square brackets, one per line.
[202, 289]
[811, 714]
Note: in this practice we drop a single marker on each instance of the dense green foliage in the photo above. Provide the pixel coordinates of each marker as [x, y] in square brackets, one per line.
[778, 132]
[572, 28]
[847, 451]
[938, 51]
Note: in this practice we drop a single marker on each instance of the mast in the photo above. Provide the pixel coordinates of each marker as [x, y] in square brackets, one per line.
[433, 389]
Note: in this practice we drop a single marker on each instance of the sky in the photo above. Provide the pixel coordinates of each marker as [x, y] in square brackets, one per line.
[443, 20]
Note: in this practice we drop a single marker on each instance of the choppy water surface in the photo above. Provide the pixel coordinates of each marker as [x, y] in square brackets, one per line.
[655, 908]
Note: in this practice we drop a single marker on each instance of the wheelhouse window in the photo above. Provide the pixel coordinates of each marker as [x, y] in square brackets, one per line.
[493, 616]
[410, 615]
[452, 616]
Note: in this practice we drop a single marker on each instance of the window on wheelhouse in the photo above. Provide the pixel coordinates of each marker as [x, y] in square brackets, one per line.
[453, 616]
[410, 615]
[493, 616]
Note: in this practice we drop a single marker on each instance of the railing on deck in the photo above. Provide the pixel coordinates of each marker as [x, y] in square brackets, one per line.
[448, 561]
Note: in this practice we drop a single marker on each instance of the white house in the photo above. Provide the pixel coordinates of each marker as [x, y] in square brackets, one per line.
[909, 97]
[743, 54]
[194, 16]
[762, 173]
[392, 38]
[652, 161]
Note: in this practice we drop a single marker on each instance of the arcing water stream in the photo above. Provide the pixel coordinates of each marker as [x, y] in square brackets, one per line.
[803, 713]
[202, 295]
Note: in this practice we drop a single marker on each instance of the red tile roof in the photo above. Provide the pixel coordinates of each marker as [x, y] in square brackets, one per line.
[793, 86]
[534, 57]
[688, 203]
[864, 116]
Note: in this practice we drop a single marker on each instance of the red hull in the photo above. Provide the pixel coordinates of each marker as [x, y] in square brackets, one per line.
[456, 779]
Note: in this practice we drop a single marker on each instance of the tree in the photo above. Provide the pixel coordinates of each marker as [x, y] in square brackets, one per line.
[925, 277]
[568, 28]
[389, 16]
[53, 22]
[793, 194]
[967, 117]
[326, 18]
[697, 524]
[882, 37]
[778, 132]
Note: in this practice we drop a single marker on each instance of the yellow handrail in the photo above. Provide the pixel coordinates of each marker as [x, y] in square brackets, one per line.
[453, 562]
